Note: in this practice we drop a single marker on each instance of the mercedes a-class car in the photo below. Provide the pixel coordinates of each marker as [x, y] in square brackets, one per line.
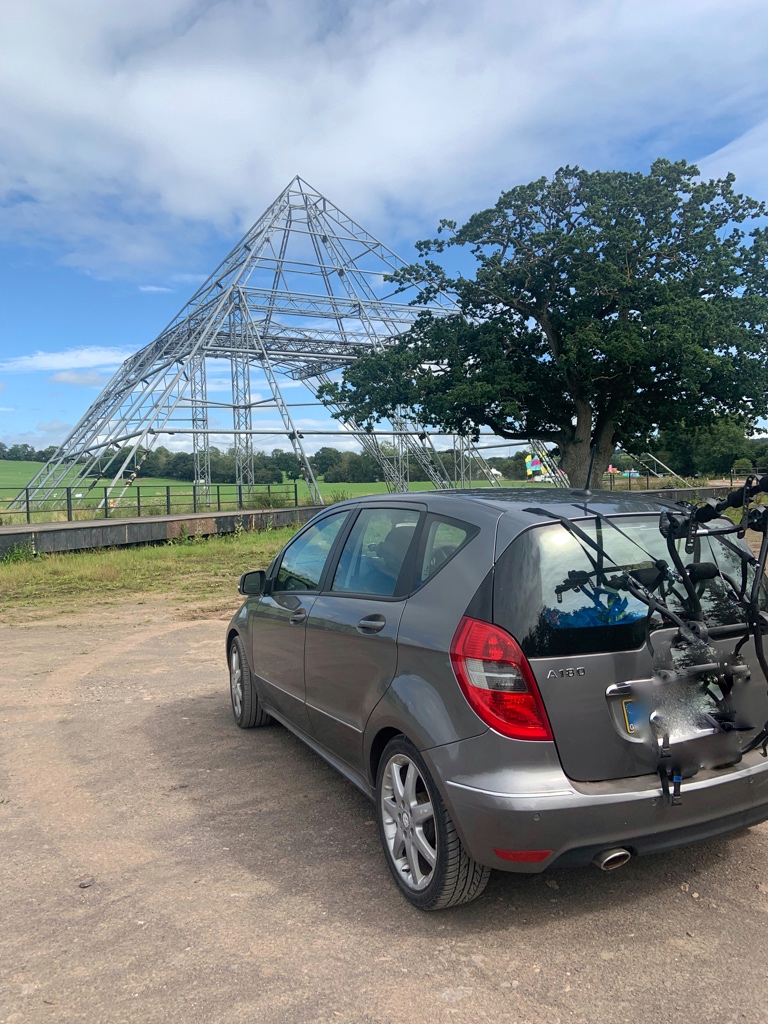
[485, 665]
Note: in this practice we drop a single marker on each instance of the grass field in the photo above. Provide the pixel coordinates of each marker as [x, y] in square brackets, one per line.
[18, 474]
[150, 496]
[206, 569]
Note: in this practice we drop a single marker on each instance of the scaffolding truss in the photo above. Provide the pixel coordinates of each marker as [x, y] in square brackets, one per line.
[301, 296]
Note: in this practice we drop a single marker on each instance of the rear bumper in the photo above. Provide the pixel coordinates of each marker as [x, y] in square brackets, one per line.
[541, 809]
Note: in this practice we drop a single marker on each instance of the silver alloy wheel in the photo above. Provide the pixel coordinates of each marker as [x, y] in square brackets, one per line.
[409, 822]
[236, 681]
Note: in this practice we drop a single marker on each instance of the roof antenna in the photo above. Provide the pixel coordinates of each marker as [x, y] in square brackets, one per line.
[585, 491]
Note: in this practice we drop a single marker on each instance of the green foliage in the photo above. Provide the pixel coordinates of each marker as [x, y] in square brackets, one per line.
[354, 468]
[18, 553]
[605, 306]
[710, 449]
[25, 453]
[622, 461]
[742, 466]
[204, 570]
[288, 463]
[512, 467]
[324, 459]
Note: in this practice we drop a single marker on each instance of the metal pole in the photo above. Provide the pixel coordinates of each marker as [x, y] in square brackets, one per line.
[69, 504]
[168, 500]
[194, 497]
[239, 495]
[295, 494]
[106, 503]
[629, 480]
[138, 502]
[29, 512]
[218, 497]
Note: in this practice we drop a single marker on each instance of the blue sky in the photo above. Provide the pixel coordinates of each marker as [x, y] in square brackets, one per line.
[138, 140]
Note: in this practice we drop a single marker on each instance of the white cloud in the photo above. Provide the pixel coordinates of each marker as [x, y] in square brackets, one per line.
[6, 408]
[189, 278]
[128, 125]
[86, 357]
[746, 157]
[154, 288]
[87, 378]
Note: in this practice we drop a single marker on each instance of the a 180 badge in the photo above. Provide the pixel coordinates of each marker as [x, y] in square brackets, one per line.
[565, 673]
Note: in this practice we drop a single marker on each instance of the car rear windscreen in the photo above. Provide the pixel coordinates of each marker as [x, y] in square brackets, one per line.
[537, 600]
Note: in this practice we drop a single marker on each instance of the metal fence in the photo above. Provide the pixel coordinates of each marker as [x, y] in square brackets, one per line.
[78, 503]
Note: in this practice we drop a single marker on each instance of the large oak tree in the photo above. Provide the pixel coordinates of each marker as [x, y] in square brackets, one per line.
[604, 307]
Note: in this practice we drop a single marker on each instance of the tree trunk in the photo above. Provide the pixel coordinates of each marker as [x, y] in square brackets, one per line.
[575, 456]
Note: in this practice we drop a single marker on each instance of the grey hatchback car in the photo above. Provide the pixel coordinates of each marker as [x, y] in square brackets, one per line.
[481, 664]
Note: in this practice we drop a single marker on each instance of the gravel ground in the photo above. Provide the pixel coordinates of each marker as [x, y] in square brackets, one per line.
[158, 864]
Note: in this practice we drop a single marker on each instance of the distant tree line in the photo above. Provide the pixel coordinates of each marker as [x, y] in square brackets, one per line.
[269, 468]
[26, 453]
[703, 451]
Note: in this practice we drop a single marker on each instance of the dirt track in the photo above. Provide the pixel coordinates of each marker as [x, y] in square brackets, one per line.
[238, 878]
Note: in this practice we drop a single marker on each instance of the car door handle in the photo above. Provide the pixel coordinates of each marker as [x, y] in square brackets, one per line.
[298, 616]
[371, 624]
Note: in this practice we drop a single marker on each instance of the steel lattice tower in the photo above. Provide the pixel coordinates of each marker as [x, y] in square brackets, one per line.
[301, 295]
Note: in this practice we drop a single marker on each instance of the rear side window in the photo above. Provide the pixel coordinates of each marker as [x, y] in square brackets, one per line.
[549, 618]
[441, 539]
[373, 555]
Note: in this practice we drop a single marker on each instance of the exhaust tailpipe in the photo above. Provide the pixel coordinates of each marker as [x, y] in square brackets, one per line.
[609, 860]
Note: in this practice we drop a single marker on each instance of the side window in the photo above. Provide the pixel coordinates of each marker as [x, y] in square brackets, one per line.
[375, 550]
[442, 538]
[304, 559]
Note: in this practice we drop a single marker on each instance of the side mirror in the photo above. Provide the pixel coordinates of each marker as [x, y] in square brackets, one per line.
[251, 584]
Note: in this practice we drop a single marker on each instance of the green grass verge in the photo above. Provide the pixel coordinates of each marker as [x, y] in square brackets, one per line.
[198, 569]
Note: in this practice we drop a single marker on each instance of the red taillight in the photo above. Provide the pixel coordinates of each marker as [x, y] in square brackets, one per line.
[497, 680]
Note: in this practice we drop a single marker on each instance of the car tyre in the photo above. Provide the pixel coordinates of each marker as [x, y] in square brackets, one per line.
[422, 848]
[246, 707]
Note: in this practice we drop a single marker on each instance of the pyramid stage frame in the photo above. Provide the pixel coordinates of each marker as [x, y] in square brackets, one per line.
[301, 295]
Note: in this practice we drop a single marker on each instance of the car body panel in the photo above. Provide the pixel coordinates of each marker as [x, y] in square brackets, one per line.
[501, 793]
[425, 700]
[591, 746]
[592, 742]
[348, 670]
[496, 805]
[277, 652]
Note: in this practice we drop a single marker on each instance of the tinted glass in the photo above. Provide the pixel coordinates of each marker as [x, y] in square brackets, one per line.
[549, 620]
[303, 561]
[375, 550]
[442, 539]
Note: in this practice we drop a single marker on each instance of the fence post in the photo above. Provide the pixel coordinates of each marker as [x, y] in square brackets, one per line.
[106, 503]
[69, 504]
[29, 510]
[194, 497]
[647, 480]
[218, 497]
[295, 494]
[168, 500]
[629, 481]
[239, 495]
[138, 502]
[610, 477]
